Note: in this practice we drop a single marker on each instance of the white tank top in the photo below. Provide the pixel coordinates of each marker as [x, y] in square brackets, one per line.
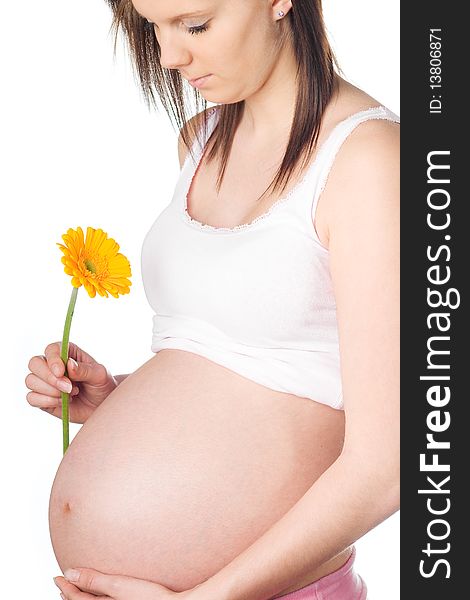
[256, 298]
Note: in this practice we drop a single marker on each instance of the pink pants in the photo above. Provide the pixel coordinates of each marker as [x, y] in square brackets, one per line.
[342, 584]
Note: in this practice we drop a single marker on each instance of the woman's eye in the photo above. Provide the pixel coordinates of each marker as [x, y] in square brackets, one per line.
[197, 29]
[192, 30]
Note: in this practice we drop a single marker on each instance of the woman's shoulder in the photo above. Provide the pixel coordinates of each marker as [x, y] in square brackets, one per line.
[371, 129]
[373, 144]
[351, 100]
[365, 171]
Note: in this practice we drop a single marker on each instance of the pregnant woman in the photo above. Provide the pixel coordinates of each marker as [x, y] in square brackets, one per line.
[261, 440]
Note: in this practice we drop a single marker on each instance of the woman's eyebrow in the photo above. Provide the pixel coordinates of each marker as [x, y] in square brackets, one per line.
[182, 16]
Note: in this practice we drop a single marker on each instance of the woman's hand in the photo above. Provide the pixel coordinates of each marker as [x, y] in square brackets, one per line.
[88, 382]
[91, 583]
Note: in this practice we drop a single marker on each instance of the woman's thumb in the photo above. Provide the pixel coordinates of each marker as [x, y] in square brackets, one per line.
[91, 372]
[72, 364]
[83, 371]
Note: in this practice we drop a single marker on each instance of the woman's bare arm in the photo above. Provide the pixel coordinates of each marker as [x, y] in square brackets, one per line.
[361, 488]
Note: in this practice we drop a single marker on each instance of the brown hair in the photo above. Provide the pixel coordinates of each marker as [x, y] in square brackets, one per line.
[304, 28]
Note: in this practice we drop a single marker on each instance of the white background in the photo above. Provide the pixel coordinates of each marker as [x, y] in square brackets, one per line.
[79, 147]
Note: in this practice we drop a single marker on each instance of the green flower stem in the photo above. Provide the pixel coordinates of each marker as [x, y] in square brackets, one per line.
[64, 352]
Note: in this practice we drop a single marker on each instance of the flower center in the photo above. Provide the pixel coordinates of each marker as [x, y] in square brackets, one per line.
[89, 265]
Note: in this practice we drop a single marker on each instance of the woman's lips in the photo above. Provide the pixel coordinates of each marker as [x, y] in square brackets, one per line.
[200, 81]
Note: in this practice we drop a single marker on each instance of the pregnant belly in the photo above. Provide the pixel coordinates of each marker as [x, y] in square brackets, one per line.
[181, 468]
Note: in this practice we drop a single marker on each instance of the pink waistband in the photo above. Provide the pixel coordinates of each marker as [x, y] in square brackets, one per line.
[342, 584]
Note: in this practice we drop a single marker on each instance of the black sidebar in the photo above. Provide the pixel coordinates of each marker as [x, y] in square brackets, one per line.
[435, 268]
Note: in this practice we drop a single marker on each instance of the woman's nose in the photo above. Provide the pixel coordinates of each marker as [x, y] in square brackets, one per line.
[172, 54]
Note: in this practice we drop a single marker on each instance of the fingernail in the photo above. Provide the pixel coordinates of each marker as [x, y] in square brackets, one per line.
[64, 386]
[56, 370]
[72, 575]
[73, 363]
[54, 578]
[63, 597]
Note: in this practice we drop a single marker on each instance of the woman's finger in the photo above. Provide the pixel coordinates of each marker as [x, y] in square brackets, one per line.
[48, 402]
[43, 401]
[36, 384]
[54, 362]
[72, 592]
[111, 587]
[39, 367]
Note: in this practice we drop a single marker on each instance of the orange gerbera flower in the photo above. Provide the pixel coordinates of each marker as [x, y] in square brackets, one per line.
[95, 262]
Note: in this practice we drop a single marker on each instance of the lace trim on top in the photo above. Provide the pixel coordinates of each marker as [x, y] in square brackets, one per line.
[244, 226]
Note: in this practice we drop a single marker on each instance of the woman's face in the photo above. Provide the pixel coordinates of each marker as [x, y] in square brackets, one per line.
[235, 41]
